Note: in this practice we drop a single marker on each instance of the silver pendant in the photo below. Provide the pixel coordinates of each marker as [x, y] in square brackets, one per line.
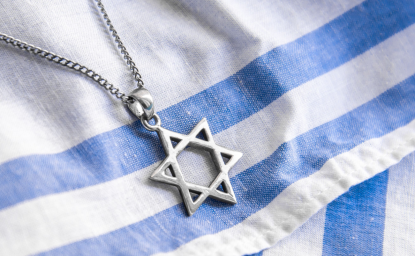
[171, 166]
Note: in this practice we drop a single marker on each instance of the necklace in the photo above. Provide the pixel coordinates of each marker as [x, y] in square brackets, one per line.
[141, 104]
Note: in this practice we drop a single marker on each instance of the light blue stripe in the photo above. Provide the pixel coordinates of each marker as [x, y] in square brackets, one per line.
[111, 155]
[257, 186]
[355, 221]
[256, 254]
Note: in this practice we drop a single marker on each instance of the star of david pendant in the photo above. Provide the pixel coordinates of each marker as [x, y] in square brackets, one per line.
[217, 153]
[171, 164]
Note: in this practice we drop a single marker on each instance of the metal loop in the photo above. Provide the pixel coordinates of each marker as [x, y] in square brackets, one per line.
[150, 127]
[143, 104]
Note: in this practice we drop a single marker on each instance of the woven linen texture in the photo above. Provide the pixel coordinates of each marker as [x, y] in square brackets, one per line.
[319, 96]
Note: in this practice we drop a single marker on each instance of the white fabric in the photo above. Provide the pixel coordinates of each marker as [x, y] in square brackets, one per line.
[306, 240]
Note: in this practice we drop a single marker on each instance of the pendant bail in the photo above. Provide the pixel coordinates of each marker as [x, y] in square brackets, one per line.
[143, 104]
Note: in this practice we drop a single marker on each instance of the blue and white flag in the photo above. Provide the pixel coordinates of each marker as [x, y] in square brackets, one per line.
[319, 96]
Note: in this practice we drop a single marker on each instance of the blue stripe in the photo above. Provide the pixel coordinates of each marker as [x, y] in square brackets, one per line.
[130, 148]
[256, 254]
[257, 186]
[356, 220]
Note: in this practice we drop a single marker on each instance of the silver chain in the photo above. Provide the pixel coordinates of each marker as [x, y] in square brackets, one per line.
[121, 46]
[78, 67]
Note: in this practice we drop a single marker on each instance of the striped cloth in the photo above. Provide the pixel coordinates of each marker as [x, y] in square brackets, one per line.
[318, 95]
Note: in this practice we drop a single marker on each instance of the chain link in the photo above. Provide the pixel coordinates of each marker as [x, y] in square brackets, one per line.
[65, 62]
[120, 45]
[80, 68]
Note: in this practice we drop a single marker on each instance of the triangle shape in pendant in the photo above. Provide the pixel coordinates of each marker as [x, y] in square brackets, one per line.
[174, 141]
[225, 158]
[222, 187]
[194, 195]
[169, 172]
[202, 135]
